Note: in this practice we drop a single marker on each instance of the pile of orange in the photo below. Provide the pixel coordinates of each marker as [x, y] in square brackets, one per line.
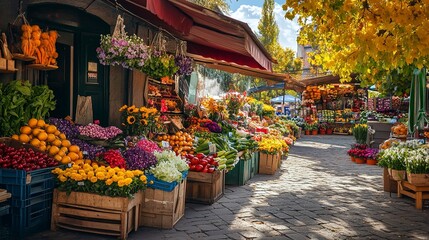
[399, 130]
[180, 142]
[48, 138]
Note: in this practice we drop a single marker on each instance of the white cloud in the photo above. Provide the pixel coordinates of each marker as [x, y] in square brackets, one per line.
[288, 29]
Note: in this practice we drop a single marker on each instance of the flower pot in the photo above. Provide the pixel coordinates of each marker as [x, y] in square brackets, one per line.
[418, 179]
[371, 162]
[307, 132]
[314, 132]
[329, 131]
[359, 160]
[322, 132]
[398, 175]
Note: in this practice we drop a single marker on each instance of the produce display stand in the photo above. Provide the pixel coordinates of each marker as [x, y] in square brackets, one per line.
[389, 185]
[205, 188]
[419, 193]
[93, 213]
[162, 209]
[268, 163]
[244, 170]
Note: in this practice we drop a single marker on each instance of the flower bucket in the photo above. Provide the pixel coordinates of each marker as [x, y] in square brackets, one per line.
[314, 132]
[360, 160]
[307, 132]
[398, 175]
[329, 131]
[352, 158]
[322, 132]
[371, 162]
[418, 179]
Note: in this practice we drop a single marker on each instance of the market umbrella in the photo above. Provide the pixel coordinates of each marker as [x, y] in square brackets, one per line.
[287, 98]
[417, 107]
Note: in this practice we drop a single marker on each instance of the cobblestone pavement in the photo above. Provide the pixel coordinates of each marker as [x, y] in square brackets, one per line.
[318, 194]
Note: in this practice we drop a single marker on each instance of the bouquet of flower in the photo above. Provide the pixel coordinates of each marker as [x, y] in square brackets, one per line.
[90, 151]
[234, 101]
[114, 182]
[159, 65]
[360, 132]
[148, 146]
[190, 109]
[139, 121]
[137, 158]
[267, 110]
[173, 159]
[184, 64]
[371, 153]
[271, 145]
[98, 132]
[213, 127]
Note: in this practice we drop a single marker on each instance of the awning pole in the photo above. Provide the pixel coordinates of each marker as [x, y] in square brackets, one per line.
[283, 105]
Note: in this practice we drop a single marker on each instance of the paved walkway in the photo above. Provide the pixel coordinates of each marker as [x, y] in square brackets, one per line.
[318, 194]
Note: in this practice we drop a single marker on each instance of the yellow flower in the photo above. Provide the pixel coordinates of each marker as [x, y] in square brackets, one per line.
[100, 176]
[129, 174]
[131, 119]
[143, 179]
[90, 174]
[94, 179]
[123, 108]
[62, 178]
[142, 109]
[121, 174]
[143, 121]
[78, 177]
[120, 178]
[136, 110]
[121, 183]
[109, 182]
[114, 178]
[137, 172]
[128, 181]
[131, 109]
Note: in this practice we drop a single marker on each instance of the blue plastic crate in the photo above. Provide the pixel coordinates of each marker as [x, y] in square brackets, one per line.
[155, 183]
[29, 220]
[26, 191]
[45, 197]
[21, 177]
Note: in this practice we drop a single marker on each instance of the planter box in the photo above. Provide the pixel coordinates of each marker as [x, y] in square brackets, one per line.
[242, 172]
[418, 179]
[268, 163]
[93, 213]
[205, 188]
[163, 209]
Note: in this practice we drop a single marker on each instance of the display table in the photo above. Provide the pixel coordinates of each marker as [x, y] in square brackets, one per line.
[419, 193]
[243, 171]
[382, 132]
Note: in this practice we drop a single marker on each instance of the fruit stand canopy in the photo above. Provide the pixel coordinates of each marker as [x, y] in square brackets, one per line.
[209, 34]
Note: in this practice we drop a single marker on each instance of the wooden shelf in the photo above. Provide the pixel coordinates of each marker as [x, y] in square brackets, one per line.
[43, 67]
[22, 57]
[159, 82]
[8, 70]
[168, 112]
[168, 97]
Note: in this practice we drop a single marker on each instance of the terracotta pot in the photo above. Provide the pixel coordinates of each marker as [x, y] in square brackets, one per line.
[360, 160]
[352, 158]
[371, 162]
[314, 132]
[399, 175]
[307, 132]
[322, 132]
[418, 179]
[329, 131]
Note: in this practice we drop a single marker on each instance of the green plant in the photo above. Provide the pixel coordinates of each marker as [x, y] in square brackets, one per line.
[20, 101]
[158, 66]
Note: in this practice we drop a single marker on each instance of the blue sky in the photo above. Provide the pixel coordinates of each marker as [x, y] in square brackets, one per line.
[249, 11]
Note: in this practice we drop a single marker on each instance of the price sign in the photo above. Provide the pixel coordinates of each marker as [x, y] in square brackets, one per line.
[212, 148]
[69, 165]
[80, 183]
[196, 139]
[165, 144]
[230, 134]
[85, 153]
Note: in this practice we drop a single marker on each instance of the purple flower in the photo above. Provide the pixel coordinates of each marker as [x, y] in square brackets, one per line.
[137, 158]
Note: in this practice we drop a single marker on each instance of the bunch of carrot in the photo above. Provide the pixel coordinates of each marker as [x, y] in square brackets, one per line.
[39, 44]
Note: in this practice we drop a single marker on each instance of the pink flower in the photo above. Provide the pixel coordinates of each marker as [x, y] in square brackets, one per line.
[97, 122]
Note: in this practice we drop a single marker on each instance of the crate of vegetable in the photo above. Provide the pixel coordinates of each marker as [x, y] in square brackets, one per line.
[205, 188]
[156, 183]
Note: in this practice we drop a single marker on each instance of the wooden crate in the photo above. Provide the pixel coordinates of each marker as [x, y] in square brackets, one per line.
[389, 185]
[87, 212]
[205, 188]
[11, 65]
[163, 209]
[268, 163]
[3, 64]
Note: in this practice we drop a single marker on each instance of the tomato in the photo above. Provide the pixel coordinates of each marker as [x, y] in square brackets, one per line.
[199, 168]
[195, 161]
[200, 155]
[211, 169]
[204, 162]
[192, 168]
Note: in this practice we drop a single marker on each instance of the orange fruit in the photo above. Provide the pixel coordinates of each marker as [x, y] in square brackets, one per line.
[42, 148]
[74, 148]
[53, 150]
[32, 123]
[42, 143]
[41, 123]
[16, 137]
[57, 142]
[58, 157]
[61, 153]
[25, 130]
[88, 161]
[51, 137]
[64, 149]
[80, 162]
[35, 142]
[24, 138]
[80, 155]
[65, 160]
[42, 136]
[51, 129]
[73, 156]
[57, 133]
[36, 131]
[66, 143]
[62, 136]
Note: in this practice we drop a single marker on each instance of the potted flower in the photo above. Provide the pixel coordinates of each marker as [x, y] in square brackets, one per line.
[393, 158]
[371, 156]
[417, 166]
[314, 128]
[307, 128]
[322, 128]
[360, 132]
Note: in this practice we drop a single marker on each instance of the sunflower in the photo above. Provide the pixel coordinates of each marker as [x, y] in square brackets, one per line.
[143, 109]
[143, 121]
[131, 119]
[123, 108]
[135, 110]
[131, 109]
